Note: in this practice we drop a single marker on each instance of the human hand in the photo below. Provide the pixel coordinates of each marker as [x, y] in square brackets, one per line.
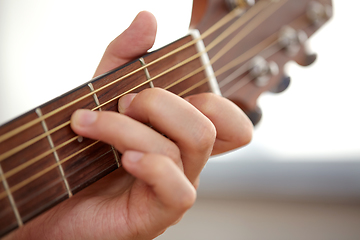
[160, 174]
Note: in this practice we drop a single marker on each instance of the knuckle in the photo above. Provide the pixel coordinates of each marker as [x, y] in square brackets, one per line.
[187, 199]
[204, 137]
[173, 152]
[150, 97]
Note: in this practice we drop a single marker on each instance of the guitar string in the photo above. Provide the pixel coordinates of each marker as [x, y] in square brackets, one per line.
[48, 169]
[248, 78]
[15, 170]
[167, 87]
[73, 139]
[245, 56]
[268, 42]
[217, 73]
[57, 181]
[16, 187]
[34, 140]
[35, 176]
[266, 45]
[253, 11]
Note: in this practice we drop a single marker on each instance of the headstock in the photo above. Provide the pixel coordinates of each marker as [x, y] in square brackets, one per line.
[273, 33]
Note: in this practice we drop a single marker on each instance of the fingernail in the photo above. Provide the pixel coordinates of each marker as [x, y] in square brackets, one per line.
[125, 101]
[133, 156]
[84, 118]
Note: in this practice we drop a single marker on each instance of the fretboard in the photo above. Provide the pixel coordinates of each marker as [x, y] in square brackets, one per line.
[43, 162]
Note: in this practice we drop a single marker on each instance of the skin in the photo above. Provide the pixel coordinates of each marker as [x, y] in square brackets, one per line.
[158, 181]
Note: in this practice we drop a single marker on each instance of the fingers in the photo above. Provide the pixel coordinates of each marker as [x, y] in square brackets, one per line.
[234, 129]
[123, 133]
[192, 132]
[167, 181]
[173, 193]
[135, 41]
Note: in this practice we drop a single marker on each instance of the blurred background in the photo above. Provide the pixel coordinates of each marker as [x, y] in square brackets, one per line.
[300, 176]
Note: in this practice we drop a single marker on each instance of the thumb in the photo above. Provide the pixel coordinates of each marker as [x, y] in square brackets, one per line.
[133, 42]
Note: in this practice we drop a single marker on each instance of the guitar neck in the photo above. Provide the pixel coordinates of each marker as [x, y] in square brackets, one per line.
[43, 162]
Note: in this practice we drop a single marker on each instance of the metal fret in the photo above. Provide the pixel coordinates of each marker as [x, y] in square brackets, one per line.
[80, 171]
[43, 123]
[206, 62]
[96, 99]
[147, 74]
[11, 198]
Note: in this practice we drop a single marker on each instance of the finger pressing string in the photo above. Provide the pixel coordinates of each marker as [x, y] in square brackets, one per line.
[45, 116]
[75, 138]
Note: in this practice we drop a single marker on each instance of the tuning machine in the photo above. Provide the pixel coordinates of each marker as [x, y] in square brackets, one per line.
[317, 12]
[283, 84]
[254, 115]
[240, 5]
[262, 70]
[291, 40]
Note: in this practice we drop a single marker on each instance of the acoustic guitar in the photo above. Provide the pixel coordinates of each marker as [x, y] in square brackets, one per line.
[235, 48]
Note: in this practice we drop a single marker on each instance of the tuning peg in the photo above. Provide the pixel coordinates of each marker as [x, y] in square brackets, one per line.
[239, 4]
[283, 85]
[318, 12]
[254, 115]
[262, 70]
[310, 58]
[306, 57]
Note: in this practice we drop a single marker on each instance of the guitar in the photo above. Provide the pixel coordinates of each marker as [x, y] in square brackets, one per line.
[238, 50]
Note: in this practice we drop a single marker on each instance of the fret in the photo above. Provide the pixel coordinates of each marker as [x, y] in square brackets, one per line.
[206, 62]
[116, 156]
[90, 165]
[83, 167]
[42, 164]
[185, 75]
[110, 95]
[65, 115]
[147, 74]
[8, 219]
[11, 198]
[41, 193]
[43, 123]
[37, 195]
[83, 161]
[96, 99]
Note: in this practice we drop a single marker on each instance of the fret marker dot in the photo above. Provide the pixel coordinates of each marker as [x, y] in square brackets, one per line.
[80, 139]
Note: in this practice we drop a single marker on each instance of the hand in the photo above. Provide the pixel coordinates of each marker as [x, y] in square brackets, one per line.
[160, 174]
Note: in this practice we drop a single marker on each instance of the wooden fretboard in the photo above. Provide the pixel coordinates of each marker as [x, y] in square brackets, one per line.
[47, 163]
